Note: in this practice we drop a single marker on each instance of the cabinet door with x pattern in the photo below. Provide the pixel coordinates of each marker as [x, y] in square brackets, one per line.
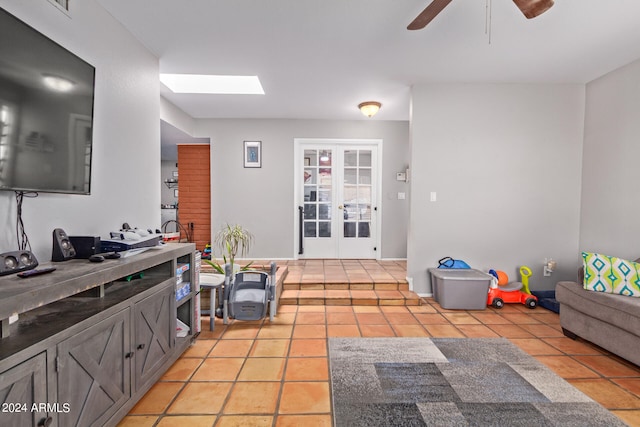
[94, 372]
[154, 333]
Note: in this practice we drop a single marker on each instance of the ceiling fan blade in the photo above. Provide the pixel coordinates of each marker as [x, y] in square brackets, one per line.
[533, 8]
[428, 14]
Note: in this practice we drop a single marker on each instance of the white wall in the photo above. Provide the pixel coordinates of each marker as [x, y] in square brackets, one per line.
[505, 163]
[611, 167]
[176, 117]
[262, 199]
[126, 134]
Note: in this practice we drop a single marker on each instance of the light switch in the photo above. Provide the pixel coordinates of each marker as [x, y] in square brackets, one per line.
[401, 196]
[433, 196]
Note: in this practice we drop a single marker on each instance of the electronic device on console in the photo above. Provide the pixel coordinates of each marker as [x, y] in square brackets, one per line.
[63, 249]
[111, 255]
[124, 235]
[139, 231]
[106, 255]
[119, 242]
[17, 261]
[85, 245]
[34, 71]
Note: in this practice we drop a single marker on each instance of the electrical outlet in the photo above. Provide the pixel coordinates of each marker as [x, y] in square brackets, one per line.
[549, 266]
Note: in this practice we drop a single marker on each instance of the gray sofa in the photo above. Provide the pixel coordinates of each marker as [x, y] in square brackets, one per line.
[607, 320]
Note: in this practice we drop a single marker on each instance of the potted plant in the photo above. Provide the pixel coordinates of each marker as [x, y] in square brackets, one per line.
[231, 239]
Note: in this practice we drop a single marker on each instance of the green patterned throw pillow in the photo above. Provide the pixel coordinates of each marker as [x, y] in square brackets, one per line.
[609, 274]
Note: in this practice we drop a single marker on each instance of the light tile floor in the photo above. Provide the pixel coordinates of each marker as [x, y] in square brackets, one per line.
[276, 374]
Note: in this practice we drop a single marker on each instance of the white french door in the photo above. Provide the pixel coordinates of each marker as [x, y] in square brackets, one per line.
[338, 194]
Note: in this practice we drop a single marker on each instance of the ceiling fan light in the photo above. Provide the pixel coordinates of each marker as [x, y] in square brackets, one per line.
[369, 108]
[533, 8]
[58, 83]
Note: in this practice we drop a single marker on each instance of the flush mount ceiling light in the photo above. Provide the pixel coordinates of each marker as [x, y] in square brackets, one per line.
[369, 108]
[533, 8]
[211, 84]
[58, 83]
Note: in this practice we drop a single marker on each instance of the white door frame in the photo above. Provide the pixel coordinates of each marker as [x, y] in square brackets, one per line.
[298, 148]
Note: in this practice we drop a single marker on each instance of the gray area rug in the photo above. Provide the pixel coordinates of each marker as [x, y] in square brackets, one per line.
[451, 382]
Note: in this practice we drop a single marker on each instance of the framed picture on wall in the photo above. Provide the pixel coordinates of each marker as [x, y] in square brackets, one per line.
[253, 154]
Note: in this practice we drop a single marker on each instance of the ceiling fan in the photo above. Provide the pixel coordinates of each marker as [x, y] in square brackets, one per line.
[530, 9]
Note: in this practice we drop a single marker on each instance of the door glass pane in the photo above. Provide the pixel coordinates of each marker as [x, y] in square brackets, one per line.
[324, 194]
[310, 193]
[324, 229]
[364, 194]
[365, 158]
[350, 193]
[349, 229]
[350, 157]
[324, 211]
[325, 158]
[363, 229]
[350, 212]
[309, 229]
[309, 176]
[309, 211]
[325, 176]
[364, 212]
[310, 157]
[350, 176]
[365, 176]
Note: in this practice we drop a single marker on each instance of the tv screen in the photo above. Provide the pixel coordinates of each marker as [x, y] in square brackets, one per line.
[46, 113]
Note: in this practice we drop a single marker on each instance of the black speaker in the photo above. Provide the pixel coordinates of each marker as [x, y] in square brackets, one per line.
[62, 247]
[15, 262]
[85, 246]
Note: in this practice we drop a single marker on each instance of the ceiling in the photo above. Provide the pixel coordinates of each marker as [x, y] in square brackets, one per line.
[320, 58]
[170, 137]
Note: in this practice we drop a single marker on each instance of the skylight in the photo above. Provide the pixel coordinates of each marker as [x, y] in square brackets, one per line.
[226, 85]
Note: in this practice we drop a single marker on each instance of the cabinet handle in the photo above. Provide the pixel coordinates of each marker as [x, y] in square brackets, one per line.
[129, 355]
[140, 346]
[45, 422]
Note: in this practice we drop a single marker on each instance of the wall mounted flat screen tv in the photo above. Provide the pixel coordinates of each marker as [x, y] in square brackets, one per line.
[46, 113]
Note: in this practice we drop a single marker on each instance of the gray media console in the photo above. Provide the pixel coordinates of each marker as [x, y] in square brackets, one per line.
[92, 338]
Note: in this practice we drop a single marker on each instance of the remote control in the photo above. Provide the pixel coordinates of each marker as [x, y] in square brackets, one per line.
[37, 272]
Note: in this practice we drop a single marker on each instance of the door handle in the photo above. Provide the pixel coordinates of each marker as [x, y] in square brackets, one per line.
[301, 230]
